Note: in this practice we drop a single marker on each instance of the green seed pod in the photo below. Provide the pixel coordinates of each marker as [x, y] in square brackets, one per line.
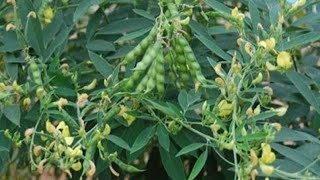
[126, 167]
[151, 84]
[141, 47]
[182, 41]
[35, 72]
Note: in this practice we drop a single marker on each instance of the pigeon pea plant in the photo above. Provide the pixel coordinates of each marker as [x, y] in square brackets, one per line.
[207, 88]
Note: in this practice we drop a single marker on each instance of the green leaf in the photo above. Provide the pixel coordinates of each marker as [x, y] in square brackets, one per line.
[218, 6]
[255, 17]
[296, 156]
[262, 116]
[9, 41]
[287, 134]
[100, 45]
[144, 13]
[83, 7]
[133, 35]
[142, 139]
[173, 165]
[163, 137]
[300, 40]
[190, 148]
[198, 165]
[118, 141]
[304, 89]
[102, 66]
[12, 112]
[274, 8]
[209, 43]
[188, 99]
[167, 108]
[126, 25]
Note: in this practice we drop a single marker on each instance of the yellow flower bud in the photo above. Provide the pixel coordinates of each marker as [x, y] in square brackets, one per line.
[236, 14]
[257, 110]
[258, 79]
[3, 87]
[236, 68]
[254, 174]
[43, 138]
[249, 112]
[91, 86]
[50, 127]
[280, 111]
[253, 157]
[262, 44]
[284, 60]
[107, 130]
[185, 21]
[248, 49]
[26, 102]
[37, 151]
[28, 132]
[271, 67]
[219, 81]
[91, 170]
[277, 126]
[229, 146]
[224, 108]
[40, 92]
[266, 169]
[218, 71]
[76, 166]
[32, 14]
[10, 27]
[215, 128]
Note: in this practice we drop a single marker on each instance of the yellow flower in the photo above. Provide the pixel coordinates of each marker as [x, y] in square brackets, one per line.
[82, 100]
[37, 150]
[92, 169]
[224, 108]
[61, 102]
[267, 156]
[50, 127]
[69, 140]
[284, 60]
[42, 137]
[266, 169]
[270, 44]
[76, 166]
[76, 152]
[65, 129]
[48, 13]
[236, 14]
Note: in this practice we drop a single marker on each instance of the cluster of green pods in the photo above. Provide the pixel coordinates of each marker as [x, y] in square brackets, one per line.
[164, 44]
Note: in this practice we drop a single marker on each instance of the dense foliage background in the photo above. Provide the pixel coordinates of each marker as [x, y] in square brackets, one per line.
[169, 89]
